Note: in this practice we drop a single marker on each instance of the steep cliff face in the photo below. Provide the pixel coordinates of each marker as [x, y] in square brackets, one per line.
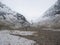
[11, 19]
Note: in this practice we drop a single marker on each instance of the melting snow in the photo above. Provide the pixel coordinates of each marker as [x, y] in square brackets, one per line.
[7, 39]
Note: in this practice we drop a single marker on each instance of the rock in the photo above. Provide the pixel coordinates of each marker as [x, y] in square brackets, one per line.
[10, 19]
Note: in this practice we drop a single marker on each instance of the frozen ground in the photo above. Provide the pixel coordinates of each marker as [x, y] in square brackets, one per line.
[7, 39]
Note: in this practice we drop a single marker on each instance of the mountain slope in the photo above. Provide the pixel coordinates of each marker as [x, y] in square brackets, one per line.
[11, 19]
[51, 18]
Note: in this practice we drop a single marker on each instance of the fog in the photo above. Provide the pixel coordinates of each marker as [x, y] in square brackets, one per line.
[31, 9]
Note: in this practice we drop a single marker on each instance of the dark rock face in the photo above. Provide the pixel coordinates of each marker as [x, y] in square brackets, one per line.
[11, 19]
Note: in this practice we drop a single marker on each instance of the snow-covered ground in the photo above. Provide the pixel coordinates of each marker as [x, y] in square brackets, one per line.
[7, 39]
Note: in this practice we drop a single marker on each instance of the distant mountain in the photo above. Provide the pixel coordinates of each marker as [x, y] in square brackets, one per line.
[11, 19]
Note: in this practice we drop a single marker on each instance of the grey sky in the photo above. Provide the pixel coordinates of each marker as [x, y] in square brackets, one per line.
[31, 9]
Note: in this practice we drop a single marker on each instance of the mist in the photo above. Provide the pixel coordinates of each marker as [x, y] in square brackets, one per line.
[31, 9]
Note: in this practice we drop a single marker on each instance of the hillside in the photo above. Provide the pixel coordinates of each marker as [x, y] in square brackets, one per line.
[10, 19]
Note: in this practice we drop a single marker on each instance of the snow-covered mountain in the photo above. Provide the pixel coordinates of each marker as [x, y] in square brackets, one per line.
[51, 18]
[11, 19]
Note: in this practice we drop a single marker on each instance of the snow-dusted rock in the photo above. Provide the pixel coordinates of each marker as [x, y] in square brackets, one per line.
[11, 19]
[51, 18]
